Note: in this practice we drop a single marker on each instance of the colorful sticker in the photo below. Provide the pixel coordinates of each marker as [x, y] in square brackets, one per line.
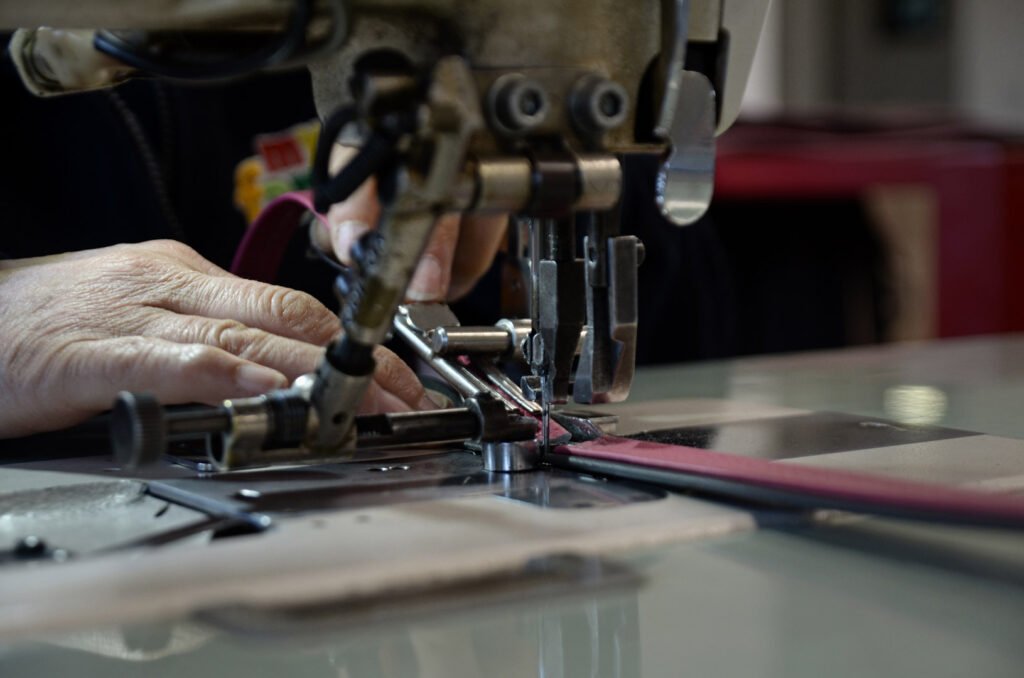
[282, 163]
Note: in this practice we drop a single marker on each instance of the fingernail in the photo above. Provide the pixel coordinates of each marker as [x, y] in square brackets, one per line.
[427, 403]
[256, 379]
[427, 283]
[345, 235]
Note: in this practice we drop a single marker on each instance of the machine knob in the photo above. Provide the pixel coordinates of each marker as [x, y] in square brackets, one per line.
[517, 104]
[138, 430]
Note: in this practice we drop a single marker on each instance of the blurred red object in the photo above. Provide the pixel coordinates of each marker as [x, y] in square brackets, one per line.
[976, 182]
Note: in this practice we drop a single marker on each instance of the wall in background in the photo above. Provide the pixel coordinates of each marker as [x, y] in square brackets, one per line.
[962, 56]
[989, 66]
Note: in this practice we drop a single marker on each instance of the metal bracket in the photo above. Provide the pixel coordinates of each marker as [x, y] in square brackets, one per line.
[687, 177]
[675, 30]
[601, 377]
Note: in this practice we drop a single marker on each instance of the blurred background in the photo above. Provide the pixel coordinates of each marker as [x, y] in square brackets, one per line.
[873, 190]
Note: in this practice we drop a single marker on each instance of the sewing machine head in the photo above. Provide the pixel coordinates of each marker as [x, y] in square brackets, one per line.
[537, 102]
[523, 108]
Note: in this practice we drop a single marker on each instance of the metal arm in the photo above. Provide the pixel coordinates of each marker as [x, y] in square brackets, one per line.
[530, 118]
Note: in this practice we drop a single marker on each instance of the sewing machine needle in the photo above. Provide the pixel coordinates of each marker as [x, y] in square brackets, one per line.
[546, 417]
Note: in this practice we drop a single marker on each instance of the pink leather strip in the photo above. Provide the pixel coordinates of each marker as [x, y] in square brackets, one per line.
[259, 255]
[843, 486]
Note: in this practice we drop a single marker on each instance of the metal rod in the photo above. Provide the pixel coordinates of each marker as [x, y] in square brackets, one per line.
[468, 340]
[413, 428]
[461, 379]
[196, 422]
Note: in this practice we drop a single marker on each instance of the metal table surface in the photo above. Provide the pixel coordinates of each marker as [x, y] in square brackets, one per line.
[855, 599]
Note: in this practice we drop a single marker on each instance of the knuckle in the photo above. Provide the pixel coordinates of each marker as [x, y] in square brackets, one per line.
[280, 301]
[128, 263]
[227, 334]
[136, 269]
[301, 312]
[197, 361]
[174, 248]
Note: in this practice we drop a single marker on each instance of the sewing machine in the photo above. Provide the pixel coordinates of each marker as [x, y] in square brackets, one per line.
[416, 555]
[476, 106]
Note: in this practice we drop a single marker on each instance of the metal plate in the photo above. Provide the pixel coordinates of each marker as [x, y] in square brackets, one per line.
[801, 435]
[443, 475]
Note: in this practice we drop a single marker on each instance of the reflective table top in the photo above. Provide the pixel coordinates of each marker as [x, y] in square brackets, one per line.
[850, 599]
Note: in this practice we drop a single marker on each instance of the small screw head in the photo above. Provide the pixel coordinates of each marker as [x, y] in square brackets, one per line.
[518, 104]
[30, 547]
[599, 104]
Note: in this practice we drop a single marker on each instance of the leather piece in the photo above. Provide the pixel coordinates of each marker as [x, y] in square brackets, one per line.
[259, 255]
[830, 486]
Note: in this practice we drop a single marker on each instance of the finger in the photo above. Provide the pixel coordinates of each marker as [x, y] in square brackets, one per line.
[290, 357]
[394, 376]
[434, 270]
[479, 239]
[173, 372]
[378, 400]
[272, 308]
[349, 220]
[395, 387]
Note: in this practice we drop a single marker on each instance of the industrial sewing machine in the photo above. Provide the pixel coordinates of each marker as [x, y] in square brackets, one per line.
[522, 108]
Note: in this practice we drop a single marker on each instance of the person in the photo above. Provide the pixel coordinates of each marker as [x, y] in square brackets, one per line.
[153, 162]
[79, 326]
[158, 317]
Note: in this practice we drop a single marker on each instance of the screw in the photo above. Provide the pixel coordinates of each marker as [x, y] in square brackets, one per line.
[530, 102]
[30, 547]
[517, 103]
[598, 104]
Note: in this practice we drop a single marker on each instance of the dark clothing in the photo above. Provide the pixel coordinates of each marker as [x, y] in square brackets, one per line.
[153, 159]
[146, 160]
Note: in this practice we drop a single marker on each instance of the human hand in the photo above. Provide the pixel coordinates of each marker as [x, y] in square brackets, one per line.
[78, 328]
[461, 247]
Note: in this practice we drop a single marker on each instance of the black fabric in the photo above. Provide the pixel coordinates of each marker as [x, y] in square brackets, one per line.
[807, 274]
[76, 176]
[155, 159]
[687, 302]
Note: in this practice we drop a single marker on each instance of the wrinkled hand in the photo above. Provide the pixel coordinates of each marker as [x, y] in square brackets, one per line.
[77, 328]
[460, 250]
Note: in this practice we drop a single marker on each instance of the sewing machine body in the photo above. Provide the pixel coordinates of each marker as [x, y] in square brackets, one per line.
[480, 106]
[423, 561]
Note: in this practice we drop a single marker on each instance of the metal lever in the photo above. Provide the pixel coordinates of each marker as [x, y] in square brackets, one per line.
[425, 328]
[675, 29]
[268, 429]
[608, 357]
[450, 117]
[687, 177]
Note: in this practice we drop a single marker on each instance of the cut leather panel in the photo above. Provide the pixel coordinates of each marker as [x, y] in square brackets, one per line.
[259, 255]
[797, 485]
[800, 435]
